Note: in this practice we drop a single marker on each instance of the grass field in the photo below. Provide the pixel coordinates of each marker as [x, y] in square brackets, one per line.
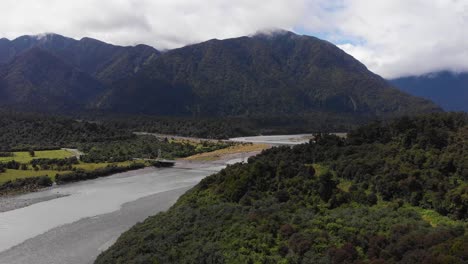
[240, 148]
[17, 174]
[320, 169]
[93, 166]
[24, 157]
[434, 218]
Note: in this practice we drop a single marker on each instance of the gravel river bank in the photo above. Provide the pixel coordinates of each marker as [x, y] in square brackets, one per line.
[74, 223]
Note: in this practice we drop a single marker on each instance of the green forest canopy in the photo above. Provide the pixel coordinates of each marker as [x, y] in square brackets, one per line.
[389, 193]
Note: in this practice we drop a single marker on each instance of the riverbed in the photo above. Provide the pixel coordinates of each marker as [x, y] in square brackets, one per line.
[276, 140]
[74, 223]
[281, 140]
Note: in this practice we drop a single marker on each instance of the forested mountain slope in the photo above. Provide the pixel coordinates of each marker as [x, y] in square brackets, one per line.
[389, 193]
[449, 90]
[269, 75]
[107, 63]
[280, 75]
[38, 80]
[24, 131]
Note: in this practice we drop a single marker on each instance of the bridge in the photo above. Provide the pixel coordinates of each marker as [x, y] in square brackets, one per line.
[159, 162]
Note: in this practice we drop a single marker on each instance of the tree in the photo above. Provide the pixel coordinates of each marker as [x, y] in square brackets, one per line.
[326, 186]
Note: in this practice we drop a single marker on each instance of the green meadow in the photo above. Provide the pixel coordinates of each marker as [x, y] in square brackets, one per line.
[25, 157]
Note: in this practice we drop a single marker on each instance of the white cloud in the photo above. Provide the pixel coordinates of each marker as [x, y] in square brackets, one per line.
[161, 23]
[402, 37]
[392, 37]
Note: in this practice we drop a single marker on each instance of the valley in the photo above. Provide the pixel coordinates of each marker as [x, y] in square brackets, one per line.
[388, 192]
[89, 151]
[89, 216]
[273, 147]
[280, 80]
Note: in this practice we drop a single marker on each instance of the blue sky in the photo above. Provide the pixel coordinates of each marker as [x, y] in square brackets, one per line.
[336, 38]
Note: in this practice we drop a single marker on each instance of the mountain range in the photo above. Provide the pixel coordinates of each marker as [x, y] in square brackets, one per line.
[279, 74]
[447, 89]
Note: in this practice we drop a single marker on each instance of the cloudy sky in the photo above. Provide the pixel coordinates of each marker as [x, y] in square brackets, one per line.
[392, 37]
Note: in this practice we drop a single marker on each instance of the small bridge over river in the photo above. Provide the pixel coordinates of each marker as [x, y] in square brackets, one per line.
[159, 161]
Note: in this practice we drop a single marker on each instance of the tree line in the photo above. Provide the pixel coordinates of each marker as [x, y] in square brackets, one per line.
[392, 192]
[32, 131]
[82, 175]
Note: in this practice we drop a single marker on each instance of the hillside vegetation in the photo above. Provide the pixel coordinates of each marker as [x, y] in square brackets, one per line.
[31, 156]
[228, 127]
[390, 193]
[24, 131]
[269, 79]
[282, 74]
[447, 89]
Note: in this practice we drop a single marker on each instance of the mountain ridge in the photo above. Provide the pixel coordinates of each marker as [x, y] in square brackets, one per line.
[447, 89]
[239, 67]
[271, 75]
[48, 82]
[90, 55]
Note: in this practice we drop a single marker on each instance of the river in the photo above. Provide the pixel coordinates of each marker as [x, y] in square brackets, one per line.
[74, 223]
[280, 140]
[276, 140]
[89, 216]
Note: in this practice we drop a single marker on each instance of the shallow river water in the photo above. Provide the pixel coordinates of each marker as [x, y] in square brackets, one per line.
[91, 215]
[74, 223]
[276, 139]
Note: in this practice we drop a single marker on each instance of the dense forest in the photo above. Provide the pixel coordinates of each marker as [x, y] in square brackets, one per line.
[24, 131]
[145, 147]
[111, 147]
[223, 128]
[276, 74]
[392, 192]
[265, 75]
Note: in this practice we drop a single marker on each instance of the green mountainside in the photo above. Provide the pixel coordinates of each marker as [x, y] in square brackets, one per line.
[447, 89]
[281, 76]
[271, 75]
[389, 193]
[38, 80]
[25, 131]
[107, 63]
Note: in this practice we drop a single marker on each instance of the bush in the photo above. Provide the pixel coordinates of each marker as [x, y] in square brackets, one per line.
[81, 175]
[26, 184]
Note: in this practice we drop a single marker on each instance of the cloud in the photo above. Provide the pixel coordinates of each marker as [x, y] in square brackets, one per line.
[392, 37]
[161, 23]
[399, 37]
